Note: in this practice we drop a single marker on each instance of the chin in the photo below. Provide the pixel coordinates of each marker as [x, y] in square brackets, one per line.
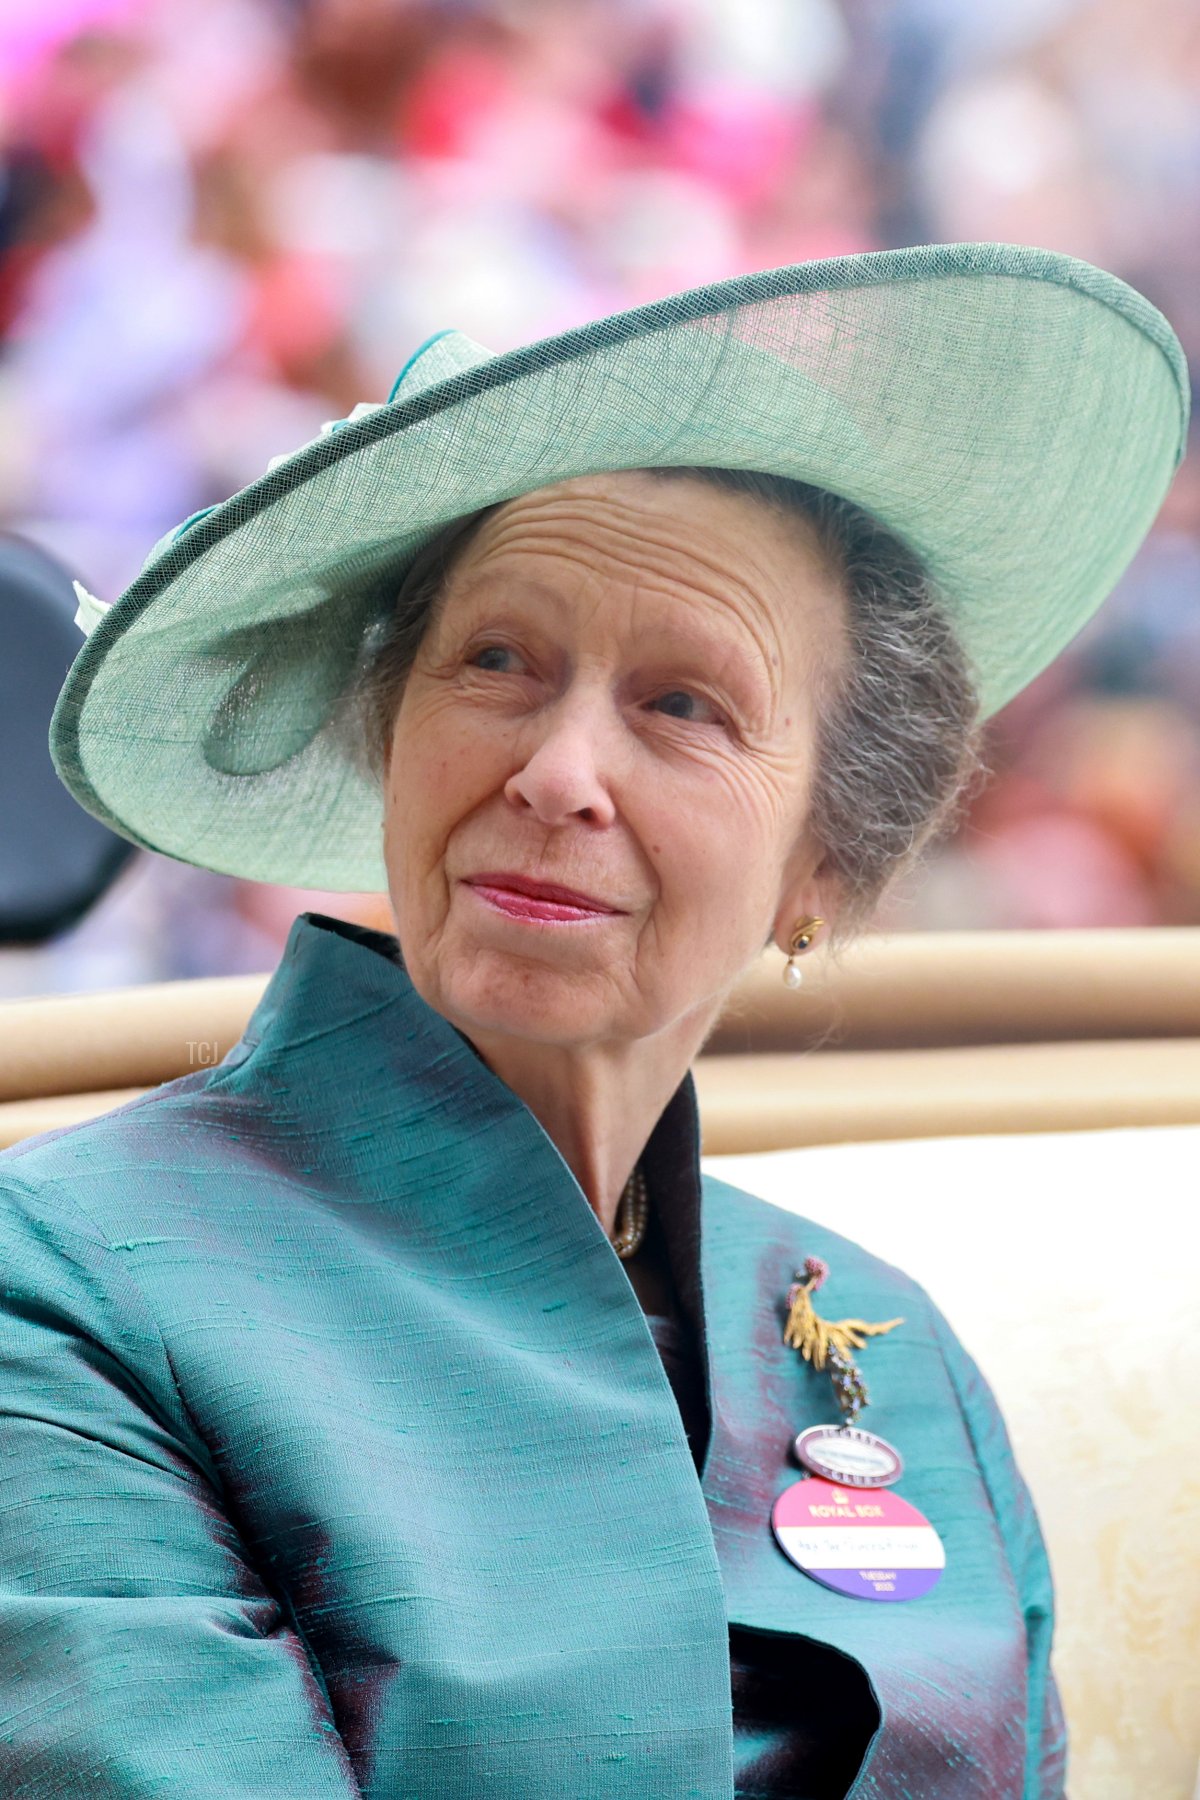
[523, 999]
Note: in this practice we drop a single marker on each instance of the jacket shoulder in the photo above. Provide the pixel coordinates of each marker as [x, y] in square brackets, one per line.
[160, 1110]
[99, 1174]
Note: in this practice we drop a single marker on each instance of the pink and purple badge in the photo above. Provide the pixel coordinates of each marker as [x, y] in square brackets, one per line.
[868, 1543]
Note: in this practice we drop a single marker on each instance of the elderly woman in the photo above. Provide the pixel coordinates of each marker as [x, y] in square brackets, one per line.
[394, 1409]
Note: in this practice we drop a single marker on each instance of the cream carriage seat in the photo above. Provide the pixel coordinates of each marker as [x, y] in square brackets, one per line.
[1067, 1263]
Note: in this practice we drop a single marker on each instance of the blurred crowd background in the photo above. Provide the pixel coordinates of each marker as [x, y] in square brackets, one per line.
[225, 221]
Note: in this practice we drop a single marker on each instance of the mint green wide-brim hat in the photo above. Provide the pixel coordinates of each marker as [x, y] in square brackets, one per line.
[1015, 416]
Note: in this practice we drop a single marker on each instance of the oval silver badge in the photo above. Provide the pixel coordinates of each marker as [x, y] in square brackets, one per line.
[849, 1456]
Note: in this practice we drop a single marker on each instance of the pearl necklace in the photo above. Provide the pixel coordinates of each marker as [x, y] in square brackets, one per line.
[633, 1210]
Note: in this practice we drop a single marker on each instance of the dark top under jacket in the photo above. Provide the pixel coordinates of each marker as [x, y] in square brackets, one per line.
[803, 1715]
[338, 1461]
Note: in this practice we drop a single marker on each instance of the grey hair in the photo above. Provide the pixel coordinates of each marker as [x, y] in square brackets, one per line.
[898, 734]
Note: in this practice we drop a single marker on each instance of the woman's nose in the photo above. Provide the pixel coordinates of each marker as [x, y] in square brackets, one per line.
[562, 779]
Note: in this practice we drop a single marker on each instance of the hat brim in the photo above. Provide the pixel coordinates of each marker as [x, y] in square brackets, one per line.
[1014, 415]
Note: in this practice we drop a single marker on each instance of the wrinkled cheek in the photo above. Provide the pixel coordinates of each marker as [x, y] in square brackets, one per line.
[406, 834]
[447, 787]
[738, 902]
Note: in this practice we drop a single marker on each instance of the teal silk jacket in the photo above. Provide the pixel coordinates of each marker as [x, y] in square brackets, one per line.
[338, 1459]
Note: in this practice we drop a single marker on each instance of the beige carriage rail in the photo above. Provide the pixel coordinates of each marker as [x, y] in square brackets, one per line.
[918, 1035]
[779, 1101]
[975, 987]
[923, 989]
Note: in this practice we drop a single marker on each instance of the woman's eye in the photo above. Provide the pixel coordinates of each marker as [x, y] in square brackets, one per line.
[682, 703]
[496, 658]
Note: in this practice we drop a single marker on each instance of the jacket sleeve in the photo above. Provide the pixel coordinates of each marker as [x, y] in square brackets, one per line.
[1025, 1549]
[140, 1651]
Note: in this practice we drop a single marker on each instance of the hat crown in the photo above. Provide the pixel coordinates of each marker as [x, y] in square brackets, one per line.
[441, 356]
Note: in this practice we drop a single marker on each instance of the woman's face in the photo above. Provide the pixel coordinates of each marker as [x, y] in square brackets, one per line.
[615, 697]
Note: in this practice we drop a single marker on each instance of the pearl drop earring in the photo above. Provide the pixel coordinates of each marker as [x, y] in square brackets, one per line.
[802, 936]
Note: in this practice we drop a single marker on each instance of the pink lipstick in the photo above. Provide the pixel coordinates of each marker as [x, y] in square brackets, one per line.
[519, 897]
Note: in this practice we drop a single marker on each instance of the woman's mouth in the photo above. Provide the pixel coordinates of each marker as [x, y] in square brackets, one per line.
[519, 897]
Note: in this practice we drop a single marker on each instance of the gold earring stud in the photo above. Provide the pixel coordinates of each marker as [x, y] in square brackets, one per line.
[802, 936]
